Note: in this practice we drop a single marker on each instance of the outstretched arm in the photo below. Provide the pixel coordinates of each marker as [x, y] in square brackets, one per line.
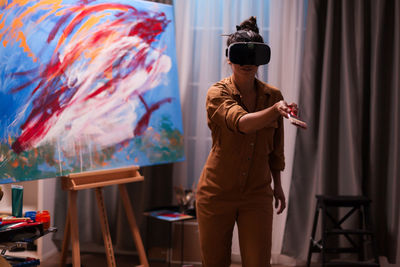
[254, 121]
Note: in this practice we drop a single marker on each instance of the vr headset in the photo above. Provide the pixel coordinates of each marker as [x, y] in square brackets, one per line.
[248, 53]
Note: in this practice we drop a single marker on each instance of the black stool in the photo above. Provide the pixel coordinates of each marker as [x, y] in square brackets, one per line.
[330, 204]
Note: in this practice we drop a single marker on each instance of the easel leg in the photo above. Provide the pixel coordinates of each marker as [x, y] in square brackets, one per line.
[73, 218]
[105, 228]
[133, 225]
[64, 250]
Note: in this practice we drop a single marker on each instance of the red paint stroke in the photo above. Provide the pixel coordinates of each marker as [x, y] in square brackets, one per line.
[149, 25]
[40, 127]
[56, 28]
[85, 14]
[143, 123]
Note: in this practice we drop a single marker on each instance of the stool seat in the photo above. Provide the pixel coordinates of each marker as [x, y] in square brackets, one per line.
[343, 201]
[359, 238]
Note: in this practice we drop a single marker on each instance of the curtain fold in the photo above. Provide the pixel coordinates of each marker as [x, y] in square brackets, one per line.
[286, 37]
[382, 183]
[349, 95]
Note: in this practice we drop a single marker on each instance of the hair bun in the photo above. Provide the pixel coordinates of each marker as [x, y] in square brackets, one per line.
[249, 24]
[247, 31]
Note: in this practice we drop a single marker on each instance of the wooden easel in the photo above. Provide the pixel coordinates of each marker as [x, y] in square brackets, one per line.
[97, 180]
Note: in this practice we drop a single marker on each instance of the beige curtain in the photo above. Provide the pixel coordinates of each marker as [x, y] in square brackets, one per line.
[286, 37]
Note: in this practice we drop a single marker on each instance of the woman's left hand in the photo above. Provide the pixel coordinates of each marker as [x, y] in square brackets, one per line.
[279, 198]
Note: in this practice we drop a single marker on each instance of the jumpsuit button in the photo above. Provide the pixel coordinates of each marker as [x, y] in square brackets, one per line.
[244, 173]
[251, 144]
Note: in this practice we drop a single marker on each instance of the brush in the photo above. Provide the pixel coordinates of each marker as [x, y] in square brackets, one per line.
[296, 121]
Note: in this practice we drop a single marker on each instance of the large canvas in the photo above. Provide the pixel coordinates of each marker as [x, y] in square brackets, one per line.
[86, 85]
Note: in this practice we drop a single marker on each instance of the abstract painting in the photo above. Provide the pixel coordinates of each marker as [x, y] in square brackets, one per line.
[86, 85]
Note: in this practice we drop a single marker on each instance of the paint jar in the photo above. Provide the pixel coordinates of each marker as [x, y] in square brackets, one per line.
[17, 193]
[31, 215]
[44, 218]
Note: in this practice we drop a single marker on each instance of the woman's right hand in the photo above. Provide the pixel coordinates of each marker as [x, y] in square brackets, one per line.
[283, 108]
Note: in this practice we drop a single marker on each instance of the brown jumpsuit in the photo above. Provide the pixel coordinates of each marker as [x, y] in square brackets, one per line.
[235, 184]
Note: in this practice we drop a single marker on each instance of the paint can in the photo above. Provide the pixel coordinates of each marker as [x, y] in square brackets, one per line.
[17, 195]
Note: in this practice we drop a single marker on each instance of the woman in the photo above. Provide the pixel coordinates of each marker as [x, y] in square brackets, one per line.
[245, 118]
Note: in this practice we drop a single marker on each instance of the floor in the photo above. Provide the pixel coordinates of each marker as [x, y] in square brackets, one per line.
[99, 260]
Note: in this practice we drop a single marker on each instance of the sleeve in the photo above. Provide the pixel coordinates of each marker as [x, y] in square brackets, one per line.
[277, 156]
[222, 109]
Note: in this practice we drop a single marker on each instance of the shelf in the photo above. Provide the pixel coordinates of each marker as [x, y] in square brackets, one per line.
[32, 201]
